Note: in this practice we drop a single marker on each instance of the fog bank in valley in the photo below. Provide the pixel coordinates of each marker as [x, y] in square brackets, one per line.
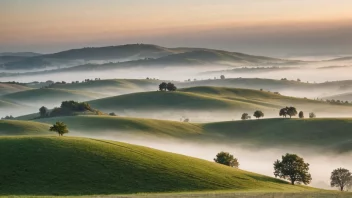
[253, 160]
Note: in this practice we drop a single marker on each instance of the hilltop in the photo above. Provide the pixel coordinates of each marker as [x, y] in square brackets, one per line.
[107, 167]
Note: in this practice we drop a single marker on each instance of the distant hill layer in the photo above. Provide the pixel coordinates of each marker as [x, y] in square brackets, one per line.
[80, 166]
[141, 55]
[48, 95]
[327, 134]
[8, 88]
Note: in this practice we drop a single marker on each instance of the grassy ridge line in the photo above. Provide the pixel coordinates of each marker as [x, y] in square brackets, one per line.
[14, 127]
[323, 133]
[81, 166]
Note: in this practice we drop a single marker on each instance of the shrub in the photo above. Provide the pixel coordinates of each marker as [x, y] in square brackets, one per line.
[227, 159]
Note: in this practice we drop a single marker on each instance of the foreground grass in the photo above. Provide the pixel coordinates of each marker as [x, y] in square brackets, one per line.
[78, 166]
[317, 194]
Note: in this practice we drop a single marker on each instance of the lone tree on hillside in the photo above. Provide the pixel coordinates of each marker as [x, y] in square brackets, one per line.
[291, 111]
[171, 87]
[292, 168]
[60, 128]
[258, 114]
[163, 86]
[245, 116]
[301, 114]
[341, 178]
[222, 77]
[43, 111]
[227, 159]
[312, 115]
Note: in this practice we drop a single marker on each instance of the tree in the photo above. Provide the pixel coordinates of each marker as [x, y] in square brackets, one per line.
[292, 168]
[222, 77]
[341, 178]
[283, 112]
[245, 116]
[312, 115]
[171, 87]
[227, 159]
[301, 114]
[258, 114]
[60, 128]
[291, 111]
[43, 111]
[163, 86]
[112, 114]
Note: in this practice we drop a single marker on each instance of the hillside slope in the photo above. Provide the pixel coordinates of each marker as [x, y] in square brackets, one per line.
[7, 88]
[15, 127]
[49, 96]
[78, 166]
[323, 134]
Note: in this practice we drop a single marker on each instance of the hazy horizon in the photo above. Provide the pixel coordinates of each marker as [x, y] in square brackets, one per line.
[272, 28]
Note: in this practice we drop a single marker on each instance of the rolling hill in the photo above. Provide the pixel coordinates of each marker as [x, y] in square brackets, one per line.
[342, 97]
[79, 166]
[8, 88]
[112, 86]
[214, 99]
[49, 96]
[141, 55]
[324, 134]
[15, 128]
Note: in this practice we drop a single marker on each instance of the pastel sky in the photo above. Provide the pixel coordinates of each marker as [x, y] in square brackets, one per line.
[253, 26]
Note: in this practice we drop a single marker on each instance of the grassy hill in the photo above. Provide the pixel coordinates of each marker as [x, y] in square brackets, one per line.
[7, 88]
[79, 166]
[112, 86]
[326, 134]
[343, 97]
[215, 99]
[49, 96]
[15, 127]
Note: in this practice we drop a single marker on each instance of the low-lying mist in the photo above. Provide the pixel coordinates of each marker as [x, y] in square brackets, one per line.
[254, 160]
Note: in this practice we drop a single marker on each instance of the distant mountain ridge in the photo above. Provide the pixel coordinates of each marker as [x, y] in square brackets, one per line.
[143, 54]
[22, 54]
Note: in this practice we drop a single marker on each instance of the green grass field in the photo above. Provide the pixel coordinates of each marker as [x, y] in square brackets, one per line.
[325, 134]
[78, 166]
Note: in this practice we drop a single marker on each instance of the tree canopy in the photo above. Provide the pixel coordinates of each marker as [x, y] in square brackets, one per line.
[162, 86]
[60, 128]
[290, 111]
[245, 116]
[301, 114]
[292, 168]
[258, 114]
[341, 178]
[227, 159]
[43, 111]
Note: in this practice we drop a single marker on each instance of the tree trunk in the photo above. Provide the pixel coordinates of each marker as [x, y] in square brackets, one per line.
[341, 188]
[293, 182]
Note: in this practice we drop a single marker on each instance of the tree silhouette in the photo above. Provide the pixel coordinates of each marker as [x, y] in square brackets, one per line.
[292, 168]
[171, 87]
[163, 86]
[258, 114]
[60, 128]
[227, 159]
[341, 178]
[301, 114]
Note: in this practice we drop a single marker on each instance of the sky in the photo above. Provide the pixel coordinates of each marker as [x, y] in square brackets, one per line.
[265, 27]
